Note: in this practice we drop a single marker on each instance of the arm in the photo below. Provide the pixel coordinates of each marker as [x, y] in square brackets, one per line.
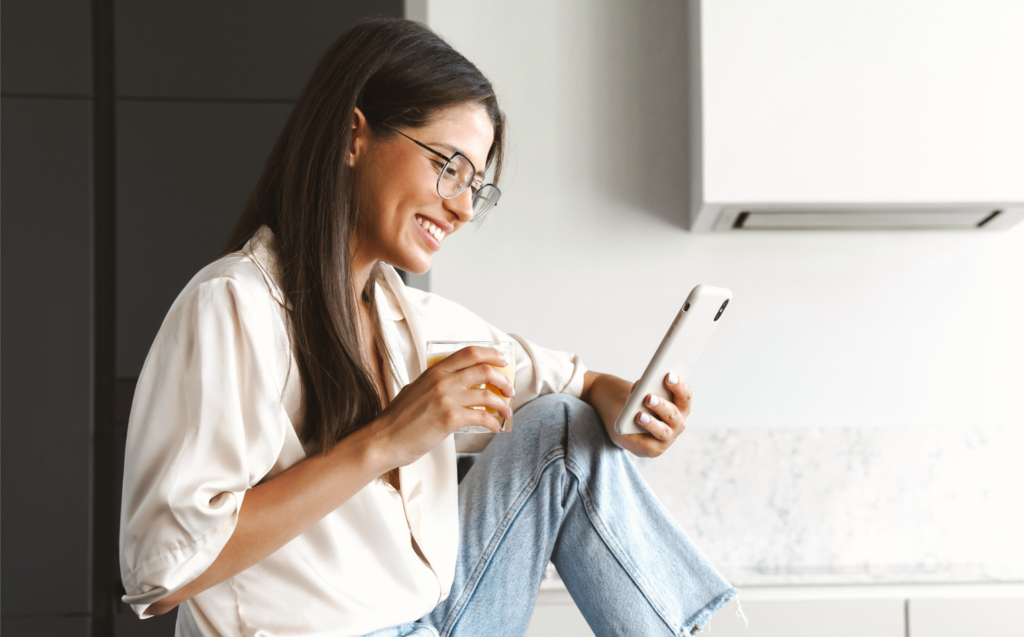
[420, 417]
[277, 511]
[607, 394]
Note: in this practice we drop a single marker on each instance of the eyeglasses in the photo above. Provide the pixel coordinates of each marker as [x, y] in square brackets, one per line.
[455, 175]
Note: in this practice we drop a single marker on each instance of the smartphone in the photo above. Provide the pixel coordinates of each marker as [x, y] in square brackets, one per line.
[678, 352]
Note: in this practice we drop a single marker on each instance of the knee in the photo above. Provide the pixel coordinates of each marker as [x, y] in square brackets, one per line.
[560, 407]
[578, 419]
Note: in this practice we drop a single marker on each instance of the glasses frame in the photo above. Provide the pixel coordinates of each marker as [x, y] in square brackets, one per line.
[448, 160]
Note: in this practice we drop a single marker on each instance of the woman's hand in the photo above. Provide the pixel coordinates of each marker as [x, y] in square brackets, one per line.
[670, 420]
[432, 407]
[608, 396]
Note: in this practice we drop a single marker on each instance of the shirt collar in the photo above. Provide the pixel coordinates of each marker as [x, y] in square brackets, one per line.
[262, 250]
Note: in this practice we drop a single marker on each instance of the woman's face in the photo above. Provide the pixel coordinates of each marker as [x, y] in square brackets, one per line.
[396, 181]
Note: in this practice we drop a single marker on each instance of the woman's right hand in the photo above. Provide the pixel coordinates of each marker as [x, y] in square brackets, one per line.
[432, 407]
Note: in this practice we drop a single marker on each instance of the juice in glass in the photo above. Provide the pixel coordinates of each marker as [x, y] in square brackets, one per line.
[439, 350]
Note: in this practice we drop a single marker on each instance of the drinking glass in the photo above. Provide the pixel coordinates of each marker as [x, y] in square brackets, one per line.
[439, 350]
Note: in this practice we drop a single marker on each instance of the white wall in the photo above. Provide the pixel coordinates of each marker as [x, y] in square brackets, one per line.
[586, 251]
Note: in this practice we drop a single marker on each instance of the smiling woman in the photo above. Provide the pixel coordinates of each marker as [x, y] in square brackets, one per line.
[290, 465]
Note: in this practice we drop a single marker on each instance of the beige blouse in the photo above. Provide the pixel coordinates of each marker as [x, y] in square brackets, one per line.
[215, 413]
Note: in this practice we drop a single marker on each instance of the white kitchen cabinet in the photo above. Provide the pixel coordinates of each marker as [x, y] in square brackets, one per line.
[767, 618]
[811, 618]
[875, 113]
[836, 611]
[959, 617]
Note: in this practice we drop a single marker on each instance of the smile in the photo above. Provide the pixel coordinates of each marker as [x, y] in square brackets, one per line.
[433, 230]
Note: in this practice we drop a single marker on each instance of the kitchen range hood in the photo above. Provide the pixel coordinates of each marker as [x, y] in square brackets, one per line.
[873, 115]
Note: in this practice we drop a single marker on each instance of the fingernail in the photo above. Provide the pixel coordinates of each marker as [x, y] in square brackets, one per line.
[644, 418]
[513, 391]
[653, 401]
[672, 379]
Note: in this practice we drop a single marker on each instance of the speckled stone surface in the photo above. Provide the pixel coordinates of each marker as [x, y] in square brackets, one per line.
[850, 505]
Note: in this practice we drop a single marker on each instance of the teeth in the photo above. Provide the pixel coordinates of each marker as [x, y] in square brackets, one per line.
[434, 231]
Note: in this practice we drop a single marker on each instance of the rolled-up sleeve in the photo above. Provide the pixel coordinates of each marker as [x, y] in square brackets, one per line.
[206, 425]
[539, 370]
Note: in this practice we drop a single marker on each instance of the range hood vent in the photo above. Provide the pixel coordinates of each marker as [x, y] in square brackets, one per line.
[866, 218]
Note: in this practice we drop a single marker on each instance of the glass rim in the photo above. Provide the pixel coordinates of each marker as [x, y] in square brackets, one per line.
[469, 342]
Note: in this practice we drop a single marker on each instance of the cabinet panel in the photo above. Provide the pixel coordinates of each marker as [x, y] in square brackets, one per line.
[126, 624]
[184, 171]
[558, 620]
[958, 617]
[237, 49]
[811, 618]
[45, 627]
[776, 618]
[46, 264]
[46, 47]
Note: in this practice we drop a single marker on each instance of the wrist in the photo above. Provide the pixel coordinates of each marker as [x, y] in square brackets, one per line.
[365, 448]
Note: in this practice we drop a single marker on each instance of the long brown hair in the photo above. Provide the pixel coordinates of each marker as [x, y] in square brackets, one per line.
[399, 73]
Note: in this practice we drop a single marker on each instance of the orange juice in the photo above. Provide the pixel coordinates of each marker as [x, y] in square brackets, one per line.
[437, 351]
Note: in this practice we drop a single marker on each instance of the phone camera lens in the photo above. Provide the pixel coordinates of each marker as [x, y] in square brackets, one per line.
[721, 309]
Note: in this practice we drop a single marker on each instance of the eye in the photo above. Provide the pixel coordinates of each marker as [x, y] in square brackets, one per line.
[451, 172]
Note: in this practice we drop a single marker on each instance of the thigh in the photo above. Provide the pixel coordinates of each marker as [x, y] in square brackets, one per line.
[509, 517]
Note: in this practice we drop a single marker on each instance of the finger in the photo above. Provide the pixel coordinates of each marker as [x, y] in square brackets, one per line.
[666, 410]
[487, 398]
[489, 375]
[682, 394]
[484, 419]
[655, 427]
[472, 355]
[642, 445]
[471, 417]
[481, 418]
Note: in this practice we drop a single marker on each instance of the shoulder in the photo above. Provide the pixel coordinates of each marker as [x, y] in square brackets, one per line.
[231, 294]
[235, 276]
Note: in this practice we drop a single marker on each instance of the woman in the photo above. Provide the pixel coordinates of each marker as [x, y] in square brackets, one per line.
[290, 465]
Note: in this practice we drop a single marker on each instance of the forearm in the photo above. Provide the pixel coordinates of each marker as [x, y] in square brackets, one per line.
[278, 510]
[606, 394]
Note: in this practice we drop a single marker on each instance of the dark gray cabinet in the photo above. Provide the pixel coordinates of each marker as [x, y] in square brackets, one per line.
[184, 172]
[120, 181]
[237, 50]
[46, 47]
[46, 263]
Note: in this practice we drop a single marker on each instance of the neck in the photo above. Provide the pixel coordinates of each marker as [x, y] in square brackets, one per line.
[361, 269]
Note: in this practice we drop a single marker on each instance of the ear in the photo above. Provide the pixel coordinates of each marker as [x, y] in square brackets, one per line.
[360, 137]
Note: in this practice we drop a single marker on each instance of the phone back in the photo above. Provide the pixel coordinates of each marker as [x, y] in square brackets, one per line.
[678, 352]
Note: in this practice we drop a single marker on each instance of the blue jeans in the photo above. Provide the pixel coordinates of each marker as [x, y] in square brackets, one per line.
[557, 489]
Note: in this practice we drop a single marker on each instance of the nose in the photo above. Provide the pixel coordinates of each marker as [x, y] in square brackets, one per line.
[461, 206]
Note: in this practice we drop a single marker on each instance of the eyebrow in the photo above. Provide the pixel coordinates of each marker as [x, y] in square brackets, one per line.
[453, 149]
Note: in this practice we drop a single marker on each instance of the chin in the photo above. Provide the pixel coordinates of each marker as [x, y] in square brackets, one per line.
[418, 264]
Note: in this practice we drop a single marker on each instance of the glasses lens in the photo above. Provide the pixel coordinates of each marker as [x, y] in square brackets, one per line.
[456, 175]
[484, 200]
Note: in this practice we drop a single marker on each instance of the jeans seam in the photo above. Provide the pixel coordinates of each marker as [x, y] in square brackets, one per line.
[616, 549]
[473, 580]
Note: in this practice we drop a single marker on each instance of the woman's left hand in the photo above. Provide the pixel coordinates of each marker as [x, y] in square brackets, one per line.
[668, 422]
[608, 394]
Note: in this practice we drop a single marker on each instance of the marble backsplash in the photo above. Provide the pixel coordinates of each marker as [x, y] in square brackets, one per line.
[850, 505]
